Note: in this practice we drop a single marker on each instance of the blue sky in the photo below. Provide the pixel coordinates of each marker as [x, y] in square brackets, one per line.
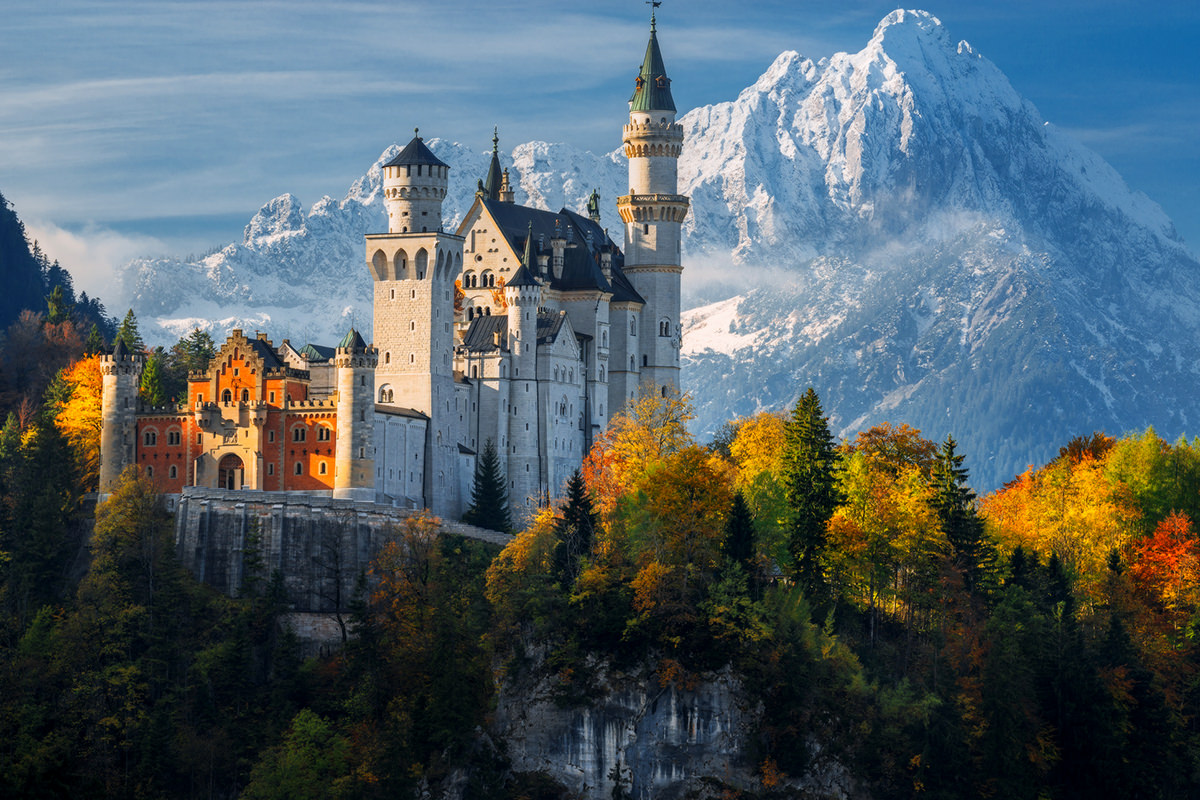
[159, 126]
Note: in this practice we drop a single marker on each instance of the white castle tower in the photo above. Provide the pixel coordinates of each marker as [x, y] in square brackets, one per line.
[121, 376]
[653, 213]
[414, 266]
[354, 462]
[523, 293]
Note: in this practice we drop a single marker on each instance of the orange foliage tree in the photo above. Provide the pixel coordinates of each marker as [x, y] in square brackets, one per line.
[1166, 569]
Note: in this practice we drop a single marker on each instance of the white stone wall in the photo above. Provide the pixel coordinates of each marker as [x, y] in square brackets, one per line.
[400, 457]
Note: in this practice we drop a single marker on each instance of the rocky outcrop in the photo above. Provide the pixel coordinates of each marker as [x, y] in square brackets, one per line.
[643, 737]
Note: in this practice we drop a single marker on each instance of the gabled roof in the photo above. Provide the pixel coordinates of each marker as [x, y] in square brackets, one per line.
[415, 152]
[480, 335]
[263, 350]
[652, 89]
[581, 262]
[549, 323]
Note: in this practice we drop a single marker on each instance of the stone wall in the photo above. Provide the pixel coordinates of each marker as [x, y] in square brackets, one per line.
[318, 545]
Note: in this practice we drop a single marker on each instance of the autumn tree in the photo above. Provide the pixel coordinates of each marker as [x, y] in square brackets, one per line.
[809, 472]
[955, 504]
[75, 406]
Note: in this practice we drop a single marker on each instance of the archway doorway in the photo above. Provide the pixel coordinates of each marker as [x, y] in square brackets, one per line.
[230, 472]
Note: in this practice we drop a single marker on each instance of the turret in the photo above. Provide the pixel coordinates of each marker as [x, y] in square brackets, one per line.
[121, 373]
[354, 459]
[523, 293]
[414, 266]
[492, 183]
[414, 186]
[653, 213]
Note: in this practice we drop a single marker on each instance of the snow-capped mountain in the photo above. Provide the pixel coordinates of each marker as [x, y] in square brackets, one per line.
[896, 227]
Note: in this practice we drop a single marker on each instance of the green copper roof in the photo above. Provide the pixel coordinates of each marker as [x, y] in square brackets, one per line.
[653, 89]
[352, 341]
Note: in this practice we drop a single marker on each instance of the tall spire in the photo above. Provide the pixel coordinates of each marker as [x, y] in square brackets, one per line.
[652, 89]
[491, 184]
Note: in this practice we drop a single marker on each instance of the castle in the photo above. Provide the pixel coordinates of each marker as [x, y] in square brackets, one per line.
[525, 328]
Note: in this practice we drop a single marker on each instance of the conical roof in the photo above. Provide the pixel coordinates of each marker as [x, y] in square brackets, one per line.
[352, 341]
[415, 152]
[491, 184]
[653, 88]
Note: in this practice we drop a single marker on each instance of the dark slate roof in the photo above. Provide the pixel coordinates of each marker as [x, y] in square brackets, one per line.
[479, 336]
[522, 277]
[463, 450]
[399, 411]
[119, 349]
[581, 263]
[317, 353]
[491, 183]
[652, 91]
[352, 341]
[263, 350]
[415, 152]
[549, 323]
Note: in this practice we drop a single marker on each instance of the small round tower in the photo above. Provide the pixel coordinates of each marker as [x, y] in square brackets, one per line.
[354, 459]
[121, 373]
[414, 186]
[523, 293]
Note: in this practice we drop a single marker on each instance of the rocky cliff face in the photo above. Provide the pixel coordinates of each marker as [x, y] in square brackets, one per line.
[643, 739]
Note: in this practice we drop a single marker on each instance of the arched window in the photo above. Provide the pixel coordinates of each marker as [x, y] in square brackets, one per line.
[323, 433]
[632, 364]
[149, 438]
[245, 395]
[174, 473]
[149, 471]
[321, 466]
[299, 468]
[387, 358]
[664, 327]
[226, 396]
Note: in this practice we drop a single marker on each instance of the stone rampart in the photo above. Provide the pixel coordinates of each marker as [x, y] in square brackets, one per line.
[318, 545]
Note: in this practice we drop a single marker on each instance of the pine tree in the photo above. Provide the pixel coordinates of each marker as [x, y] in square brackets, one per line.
[576, 530]
[128, 333]
[56, 306]
[809, 464]
[489, 497]
[738, 546]
[195, 350]
[95, 341]
[151, 388]
[954, 501]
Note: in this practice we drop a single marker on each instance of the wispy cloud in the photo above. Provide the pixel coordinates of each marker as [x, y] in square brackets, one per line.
[92, 255]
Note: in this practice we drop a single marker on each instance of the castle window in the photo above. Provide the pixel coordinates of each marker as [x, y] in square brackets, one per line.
[664, 391]
[174, 473]
[322, 433]
[633, 327]
[270, 436]
[645, 360]
[149, 471]
[321, 468]
[199, 438]
[646, 229]
[272, 397]
[270, 469]
[412, 326]
[387, 358]
[604, 339]
[602, 374]
[245, 395]
[299, 434]
[362, 380]
[664, 328]
[173, 437]
[412, 358]
[149, 438]
[393, 297]
[226, 396]
[299, 468]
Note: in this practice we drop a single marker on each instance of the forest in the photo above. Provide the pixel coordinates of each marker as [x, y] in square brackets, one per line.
[1037, 642]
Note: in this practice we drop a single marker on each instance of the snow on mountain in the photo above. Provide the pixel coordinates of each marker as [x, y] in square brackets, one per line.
[896, 227]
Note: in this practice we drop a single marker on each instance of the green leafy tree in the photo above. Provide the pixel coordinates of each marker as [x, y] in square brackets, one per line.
[489, 497]
[809, 466]
[127, 332]
[312, 762]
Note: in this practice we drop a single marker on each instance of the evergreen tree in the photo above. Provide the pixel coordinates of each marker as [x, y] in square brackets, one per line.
[489, 496]
[151, 388]
[576, 530]
[128, 333]
[809, 464]
[95, 341]
[954, 501]
[56, 306]
[738, 546]
[194, 351]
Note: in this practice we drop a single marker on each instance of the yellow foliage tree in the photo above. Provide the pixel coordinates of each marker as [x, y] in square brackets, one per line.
[77, 416]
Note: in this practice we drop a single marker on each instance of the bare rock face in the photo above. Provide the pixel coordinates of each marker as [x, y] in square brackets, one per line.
[643, 739]
[653, 740]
